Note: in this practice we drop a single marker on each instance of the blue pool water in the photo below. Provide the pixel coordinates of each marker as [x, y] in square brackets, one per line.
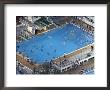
[55, 43]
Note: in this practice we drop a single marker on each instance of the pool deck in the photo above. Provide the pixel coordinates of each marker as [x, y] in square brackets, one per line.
[22, 60]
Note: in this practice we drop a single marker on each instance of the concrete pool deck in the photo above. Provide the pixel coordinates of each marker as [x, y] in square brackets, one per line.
[22, 60]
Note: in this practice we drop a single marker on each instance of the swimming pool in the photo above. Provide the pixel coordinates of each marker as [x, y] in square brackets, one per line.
[55, 43]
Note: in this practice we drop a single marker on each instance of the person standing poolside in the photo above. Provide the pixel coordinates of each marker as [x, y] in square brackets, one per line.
[64, 55]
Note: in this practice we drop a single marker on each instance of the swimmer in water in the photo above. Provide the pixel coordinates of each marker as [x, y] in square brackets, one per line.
[17, 46]
[41, 49]
[31, 50]
[48, 53]
[55, 50]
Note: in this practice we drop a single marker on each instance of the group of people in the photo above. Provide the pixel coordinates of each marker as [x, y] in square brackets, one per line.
[87, 71]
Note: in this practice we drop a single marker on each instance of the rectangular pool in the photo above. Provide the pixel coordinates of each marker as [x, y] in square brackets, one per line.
[55, 43]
